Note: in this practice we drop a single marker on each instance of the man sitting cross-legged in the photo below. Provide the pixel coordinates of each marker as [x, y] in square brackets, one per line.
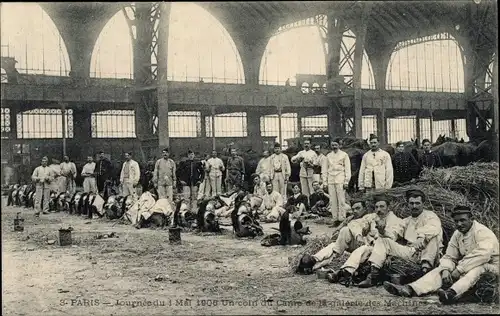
[386, 225]
[350, 237]
[272, 205]
[319, 201]
[422, 233]
[472, 251]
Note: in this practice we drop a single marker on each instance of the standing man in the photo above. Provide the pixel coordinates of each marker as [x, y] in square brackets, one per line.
[280, 170]
[56, 166]
[264, 166]
[404, 164]
[235, 171]
[204, 188]
[191, 175]
[318, 163]
[103, 171]
[376, 168]
[336, 173]
[215, 167]
[130, 175]
[164, 176]
[88, 174]
[43, 176]
[68, 175]
[429, 158]
[306, 157]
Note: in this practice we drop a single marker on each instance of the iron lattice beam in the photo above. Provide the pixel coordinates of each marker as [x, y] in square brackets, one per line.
[142, 20]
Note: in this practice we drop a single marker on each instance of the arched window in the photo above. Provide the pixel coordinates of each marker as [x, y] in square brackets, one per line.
[31, 37]
[199, 48]
[300, 48]
[431, 63]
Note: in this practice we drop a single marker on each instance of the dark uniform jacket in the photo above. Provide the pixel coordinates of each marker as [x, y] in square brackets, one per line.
[190, 171]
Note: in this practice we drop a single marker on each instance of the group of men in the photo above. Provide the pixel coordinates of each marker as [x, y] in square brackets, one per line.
[372, 237]
[204, 179]
[332, 170]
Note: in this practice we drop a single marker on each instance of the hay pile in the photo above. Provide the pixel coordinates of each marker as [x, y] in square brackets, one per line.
[313, 246]
[439, 200]
[478, 182]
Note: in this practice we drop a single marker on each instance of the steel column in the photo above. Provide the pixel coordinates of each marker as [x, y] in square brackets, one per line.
[335, 32]
[162, 59]
[358, 63]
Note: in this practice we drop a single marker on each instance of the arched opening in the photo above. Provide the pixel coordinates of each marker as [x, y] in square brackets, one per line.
[199, 48]
[300, 48]
[431, 63]
[30, 36]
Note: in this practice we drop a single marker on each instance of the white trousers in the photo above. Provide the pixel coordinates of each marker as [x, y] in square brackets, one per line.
[384, 247]
[432, 281]
[89, 185]
[215, 185]
[274, 214]
[42, 191]
[204, 189]
[337, 201]
[166, 192]
[306, 184]
[345, 242]
[279, 184]
[357, 257]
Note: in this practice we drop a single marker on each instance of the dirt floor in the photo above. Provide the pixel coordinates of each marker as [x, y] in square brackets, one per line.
[140, 273]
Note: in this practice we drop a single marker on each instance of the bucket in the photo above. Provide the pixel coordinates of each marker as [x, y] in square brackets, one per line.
[18, 223]
[174, 235]
[64, 237]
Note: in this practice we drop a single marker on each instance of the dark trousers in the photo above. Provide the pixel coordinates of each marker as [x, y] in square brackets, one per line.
[100, 182]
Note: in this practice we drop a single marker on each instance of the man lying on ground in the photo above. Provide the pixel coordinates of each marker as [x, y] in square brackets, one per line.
[472, 251]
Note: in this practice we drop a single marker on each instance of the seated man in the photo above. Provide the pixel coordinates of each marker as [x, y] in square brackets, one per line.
[422, 233]
[259, 188]
[386, 224]
[472, 251]
[297, 202]
[218, 207]
[350, 237]
[319, 201]
[272, 205]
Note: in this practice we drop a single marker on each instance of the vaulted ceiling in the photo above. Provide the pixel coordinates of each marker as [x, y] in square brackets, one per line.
[253, 23]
